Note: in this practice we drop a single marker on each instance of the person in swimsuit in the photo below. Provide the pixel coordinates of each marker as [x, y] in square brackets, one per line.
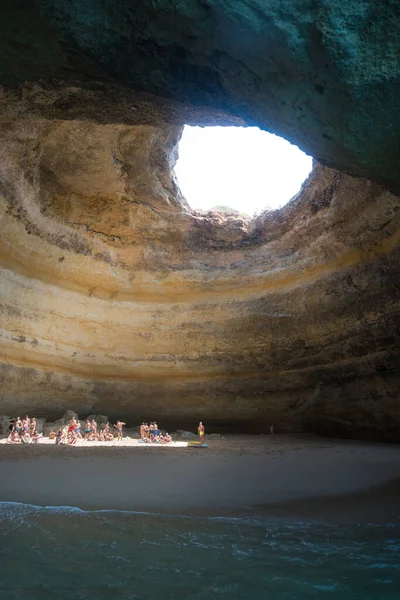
[155, 430]
[52, 434]
[32, 426]
[94, 427]
[26, 423]
[14, 438]
[87, 429]
[18, 425]
[141, 431]
[151, 430]
[118, 427]
[201, 432]
[36, 437]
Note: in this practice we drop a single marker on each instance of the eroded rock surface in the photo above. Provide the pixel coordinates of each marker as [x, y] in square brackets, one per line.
[116, 298]
[325, 74]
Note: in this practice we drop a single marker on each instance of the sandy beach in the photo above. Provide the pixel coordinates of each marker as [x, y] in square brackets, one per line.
[300, 476]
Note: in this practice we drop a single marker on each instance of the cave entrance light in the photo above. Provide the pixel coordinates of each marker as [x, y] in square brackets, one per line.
[239, 168]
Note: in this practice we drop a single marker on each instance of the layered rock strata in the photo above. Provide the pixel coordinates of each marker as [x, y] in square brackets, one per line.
[117, 299]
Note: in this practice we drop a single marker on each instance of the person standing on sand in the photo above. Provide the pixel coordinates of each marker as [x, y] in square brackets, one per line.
[201, 432]
[94, 427]
[118, 427]
[87, 429]
[32, 426]
[78, 429]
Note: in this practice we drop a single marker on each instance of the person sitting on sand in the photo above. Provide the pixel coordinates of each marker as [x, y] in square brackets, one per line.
[167, 438]
[36, 437]
[201, 432]
[71, 437]
[118, 426]
[14, 438]
[108, 435]
[52, 434]
[26, 438]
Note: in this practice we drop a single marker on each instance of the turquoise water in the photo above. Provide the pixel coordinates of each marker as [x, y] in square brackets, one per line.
[68, 553]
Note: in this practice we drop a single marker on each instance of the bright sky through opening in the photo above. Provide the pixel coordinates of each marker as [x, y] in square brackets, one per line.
[246, 169]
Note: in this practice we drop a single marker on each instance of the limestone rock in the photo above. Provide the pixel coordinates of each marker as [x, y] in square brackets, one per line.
[185, 435]
[101, 420]
[4, 423]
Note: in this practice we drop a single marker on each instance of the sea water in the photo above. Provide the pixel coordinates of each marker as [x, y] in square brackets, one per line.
[68, 553]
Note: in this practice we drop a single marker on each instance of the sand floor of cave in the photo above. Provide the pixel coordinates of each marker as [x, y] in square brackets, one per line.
[127, 442]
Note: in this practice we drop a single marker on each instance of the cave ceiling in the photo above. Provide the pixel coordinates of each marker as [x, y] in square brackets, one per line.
[322, 74]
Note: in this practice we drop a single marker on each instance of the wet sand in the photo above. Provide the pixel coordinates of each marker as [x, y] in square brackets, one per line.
[299, 476]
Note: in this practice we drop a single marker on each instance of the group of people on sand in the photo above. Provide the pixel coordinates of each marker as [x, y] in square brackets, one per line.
[23, 431]
[150, 434]
[71, 433]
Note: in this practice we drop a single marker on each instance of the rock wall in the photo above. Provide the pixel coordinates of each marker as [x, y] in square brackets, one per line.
[117, 299]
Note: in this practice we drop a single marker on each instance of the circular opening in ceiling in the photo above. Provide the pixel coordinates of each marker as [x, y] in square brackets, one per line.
[243, 169]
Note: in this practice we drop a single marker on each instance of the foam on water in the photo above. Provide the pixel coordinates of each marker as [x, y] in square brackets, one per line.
[66, 552]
